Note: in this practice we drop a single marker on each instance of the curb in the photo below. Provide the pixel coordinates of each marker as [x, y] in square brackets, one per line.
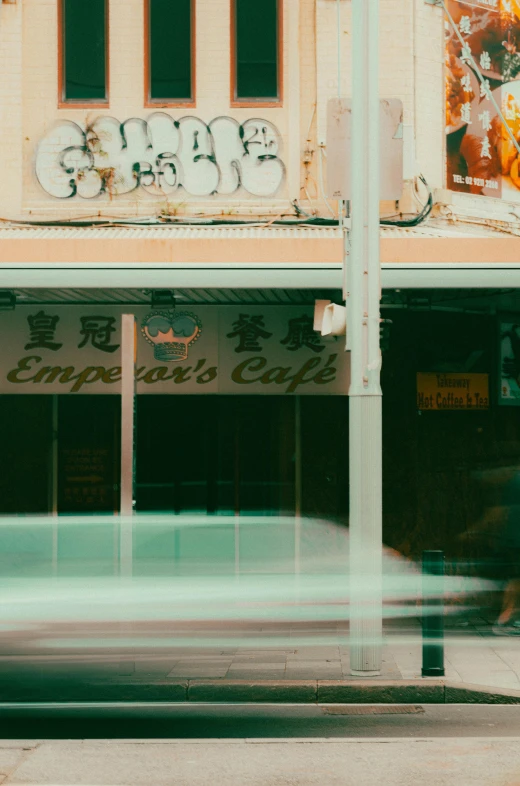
[348, 692]
[374, 691]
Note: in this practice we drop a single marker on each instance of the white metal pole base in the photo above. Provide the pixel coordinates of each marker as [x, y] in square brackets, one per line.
[365, 533]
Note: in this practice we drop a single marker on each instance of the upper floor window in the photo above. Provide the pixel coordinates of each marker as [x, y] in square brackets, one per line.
[256, 40]
[83, 37]
[170, 28]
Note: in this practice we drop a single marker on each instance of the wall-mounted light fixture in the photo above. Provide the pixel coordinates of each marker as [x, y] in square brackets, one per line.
[416, 303]
[163, 298]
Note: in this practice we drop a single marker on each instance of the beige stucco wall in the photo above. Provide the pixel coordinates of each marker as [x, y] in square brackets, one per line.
[411, 68]
[11, 126]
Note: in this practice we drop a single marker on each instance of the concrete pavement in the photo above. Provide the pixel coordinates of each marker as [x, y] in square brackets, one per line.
[304, 763]
[473, 654]
[303, 668]
[438, 746]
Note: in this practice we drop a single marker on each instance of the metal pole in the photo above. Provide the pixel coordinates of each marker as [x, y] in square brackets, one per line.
[54, 486]
[297, 482]
[365, 404]
[433, 614]
[128, 361]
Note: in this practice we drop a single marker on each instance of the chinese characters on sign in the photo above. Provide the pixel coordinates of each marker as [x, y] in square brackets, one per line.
[483, 69]
[244, 350]
[300, 333]
[95, 330]
[42, 328]
[98, 331]
[249, 330]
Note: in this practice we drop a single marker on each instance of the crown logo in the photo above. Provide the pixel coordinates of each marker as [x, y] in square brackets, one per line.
[171, 333]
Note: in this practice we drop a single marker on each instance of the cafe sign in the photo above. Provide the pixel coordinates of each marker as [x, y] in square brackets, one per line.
[440, 391]
[227, 350]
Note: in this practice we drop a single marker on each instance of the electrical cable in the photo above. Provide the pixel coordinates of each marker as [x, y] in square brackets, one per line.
[419, 218]
[311, 220]
[302, 219]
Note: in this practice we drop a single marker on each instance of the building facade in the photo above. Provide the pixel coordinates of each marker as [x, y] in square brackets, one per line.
[99, 80]
[158, 154]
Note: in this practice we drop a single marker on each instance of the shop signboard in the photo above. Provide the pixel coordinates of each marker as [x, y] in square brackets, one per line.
[227, 350]
[443, 392]
[509, 356]
[481, 156]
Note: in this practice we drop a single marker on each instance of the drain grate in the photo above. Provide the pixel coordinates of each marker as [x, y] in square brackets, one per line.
[372, 709]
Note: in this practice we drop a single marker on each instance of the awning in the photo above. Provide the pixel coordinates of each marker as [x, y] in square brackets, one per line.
[139, 276]
[435, 255]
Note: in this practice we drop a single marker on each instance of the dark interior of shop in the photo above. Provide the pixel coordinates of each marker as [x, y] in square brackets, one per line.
[446, 473]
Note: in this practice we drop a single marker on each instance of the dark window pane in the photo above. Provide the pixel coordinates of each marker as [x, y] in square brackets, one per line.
[84, 52]
[170, 49]
[257, 48]
[26, 426]
[88, 453]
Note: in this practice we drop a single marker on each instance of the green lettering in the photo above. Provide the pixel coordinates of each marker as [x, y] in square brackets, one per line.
[112, 375]
[327, 373]
[155, 375]
[87, 377]
[23, 365]
[299, 377]
[278, 375]
[49, 375]
[251, 364]
[208, 376]
[180, 375]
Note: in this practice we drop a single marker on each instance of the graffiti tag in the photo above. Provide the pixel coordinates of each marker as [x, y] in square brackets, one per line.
[161, 156]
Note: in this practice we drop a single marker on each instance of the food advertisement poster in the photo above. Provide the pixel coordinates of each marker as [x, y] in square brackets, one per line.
[509, 372]
[483, 40]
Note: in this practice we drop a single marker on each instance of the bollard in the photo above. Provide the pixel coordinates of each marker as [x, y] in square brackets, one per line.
[433, 620]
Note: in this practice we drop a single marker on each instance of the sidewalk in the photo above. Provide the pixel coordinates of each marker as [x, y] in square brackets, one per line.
[292, 665]
[473, 654]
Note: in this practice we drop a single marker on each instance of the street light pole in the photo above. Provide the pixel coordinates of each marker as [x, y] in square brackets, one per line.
[365, 406]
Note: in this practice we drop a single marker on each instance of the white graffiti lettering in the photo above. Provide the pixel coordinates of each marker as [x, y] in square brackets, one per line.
[161, 156]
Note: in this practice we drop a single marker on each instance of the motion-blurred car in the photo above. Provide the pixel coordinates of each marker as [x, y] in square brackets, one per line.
[81, 595]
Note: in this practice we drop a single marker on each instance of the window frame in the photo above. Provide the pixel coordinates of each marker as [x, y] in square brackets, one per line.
[238, 103]
[83, 103]
[158, 103]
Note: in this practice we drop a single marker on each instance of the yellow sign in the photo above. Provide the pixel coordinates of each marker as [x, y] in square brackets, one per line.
[441, 391]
